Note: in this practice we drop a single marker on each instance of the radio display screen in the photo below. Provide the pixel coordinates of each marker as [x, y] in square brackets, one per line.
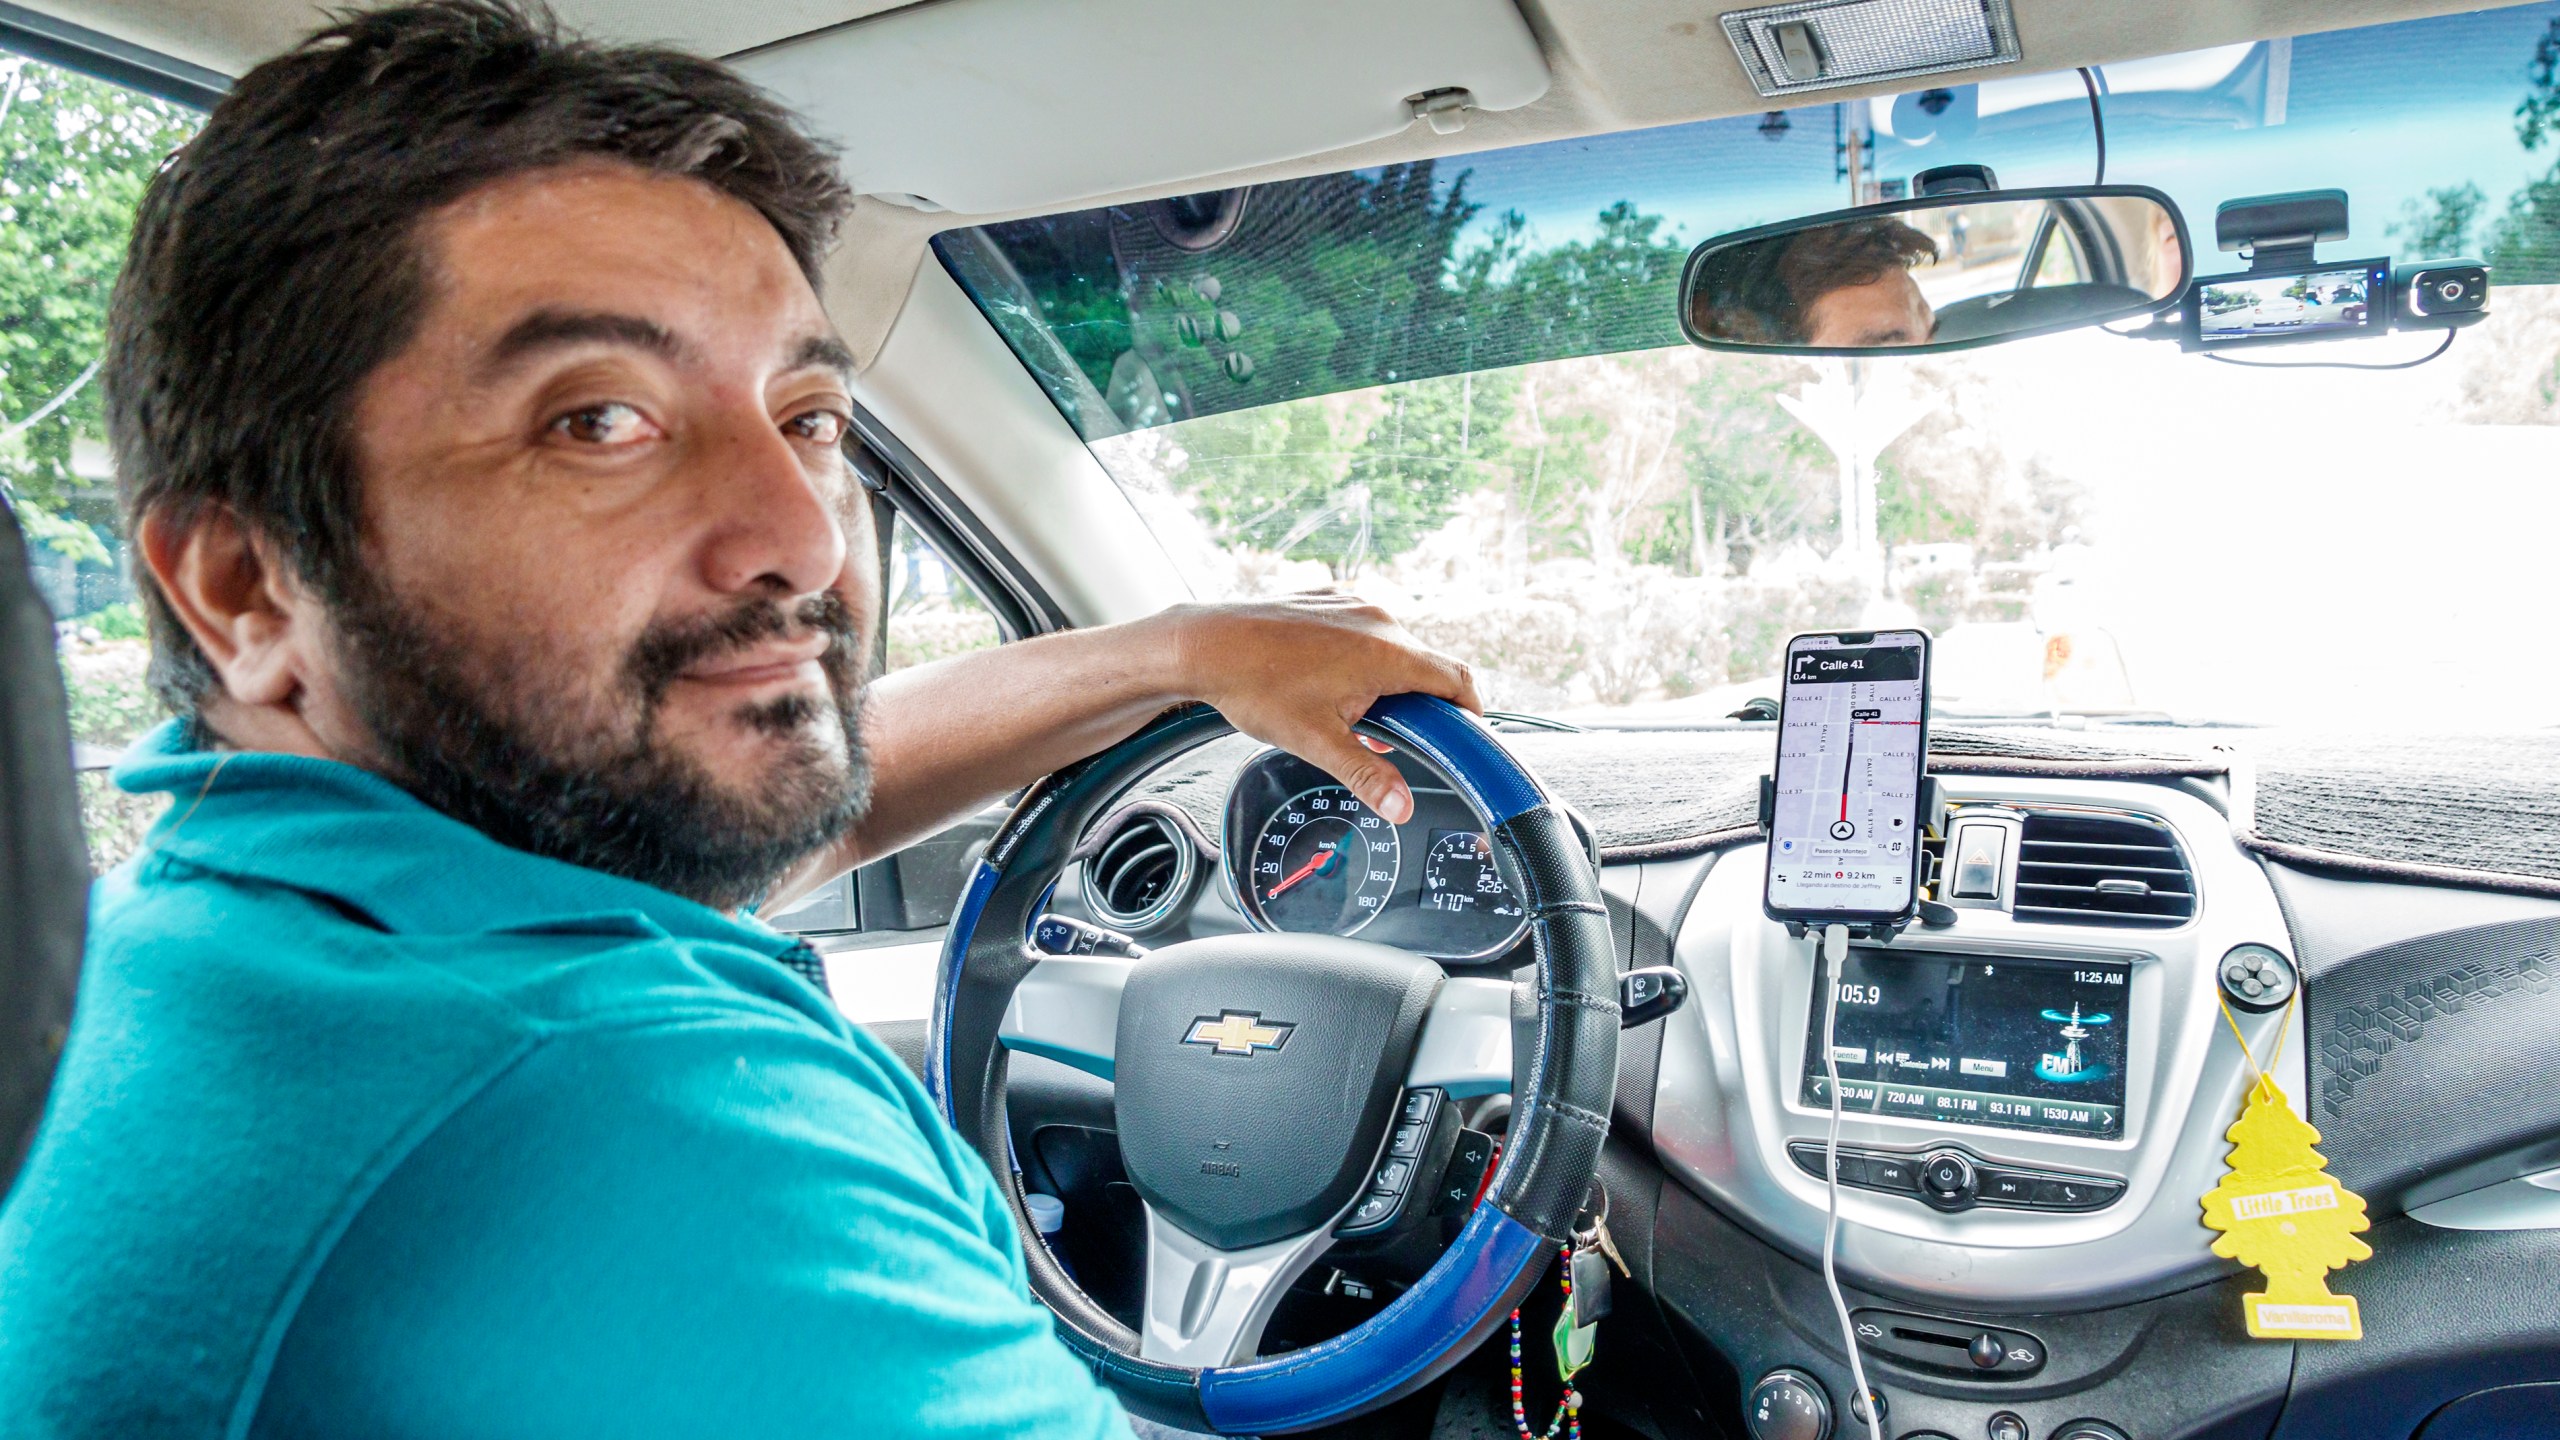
[1965, 1040]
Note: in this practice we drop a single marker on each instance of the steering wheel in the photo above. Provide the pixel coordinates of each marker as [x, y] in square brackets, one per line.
[1257, 1079]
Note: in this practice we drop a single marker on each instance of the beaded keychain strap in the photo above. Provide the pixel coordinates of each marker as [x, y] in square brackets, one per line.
[1568, 1411]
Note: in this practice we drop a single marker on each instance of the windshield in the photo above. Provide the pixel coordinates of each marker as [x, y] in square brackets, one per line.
[1458, 387]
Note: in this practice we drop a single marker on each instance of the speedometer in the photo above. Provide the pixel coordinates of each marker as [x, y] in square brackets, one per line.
[1323, 862]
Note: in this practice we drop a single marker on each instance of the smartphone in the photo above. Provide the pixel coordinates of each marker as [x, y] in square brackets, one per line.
[1853, 733]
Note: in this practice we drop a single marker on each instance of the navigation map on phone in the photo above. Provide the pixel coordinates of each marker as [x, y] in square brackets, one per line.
[1846, 833]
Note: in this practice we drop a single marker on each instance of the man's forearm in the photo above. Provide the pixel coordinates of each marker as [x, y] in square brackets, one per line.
[949, 738]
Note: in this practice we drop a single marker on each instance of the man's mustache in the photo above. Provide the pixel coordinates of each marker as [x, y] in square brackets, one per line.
[666, 651]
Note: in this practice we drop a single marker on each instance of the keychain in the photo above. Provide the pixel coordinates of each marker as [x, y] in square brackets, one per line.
[2280, 1212]
[1584, 1263]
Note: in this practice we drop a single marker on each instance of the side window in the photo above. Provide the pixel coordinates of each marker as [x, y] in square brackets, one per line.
[74, 156]
[2062, 262]
[932, 612]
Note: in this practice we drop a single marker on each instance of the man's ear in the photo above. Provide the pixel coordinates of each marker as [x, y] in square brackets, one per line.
[232, 592]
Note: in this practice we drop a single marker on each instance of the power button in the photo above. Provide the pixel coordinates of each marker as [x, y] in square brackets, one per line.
[1947, 1180]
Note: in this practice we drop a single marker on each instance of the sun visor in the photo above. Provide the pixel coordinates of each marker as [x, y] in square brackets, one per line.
[982, 106]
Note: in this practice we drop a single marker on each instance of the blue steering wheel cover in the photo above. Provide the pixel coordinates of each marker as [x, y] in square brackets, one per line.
[1464, 750]
[1336, 1378]
[946, 985]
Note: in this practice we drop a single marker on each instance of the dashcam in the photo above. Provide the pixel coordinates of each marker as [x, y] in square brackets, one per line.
[2439, 294]
[2288, 294]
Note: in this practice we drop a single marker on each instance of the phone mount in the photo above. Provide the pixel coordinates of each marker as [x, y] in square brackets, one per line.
[1874, 932]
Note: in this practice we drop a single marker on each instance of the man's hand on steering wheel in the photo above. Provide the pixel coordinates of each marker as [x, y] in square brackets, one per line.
[1298, 670]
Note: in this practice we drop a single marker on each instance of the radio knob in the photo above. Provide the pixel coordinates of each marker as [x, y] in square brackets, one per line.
[1948, 1180]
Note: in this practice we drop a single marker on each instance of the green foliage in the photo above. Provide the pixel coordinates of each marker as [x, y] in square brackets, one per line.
[120, 621]
[2523, 244]
[1603, 296]
[108, 693]
[2538, 114]
[59, 533]
[74, 156]
[1283, 480]
[1332, 283]
[1435, 441]
[1760, 479]
[2439, 227]
[1910, 512]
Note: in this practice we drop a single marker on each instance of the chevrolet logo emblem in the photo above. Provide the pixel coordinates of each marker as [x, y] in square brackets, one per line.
[1236, 1032]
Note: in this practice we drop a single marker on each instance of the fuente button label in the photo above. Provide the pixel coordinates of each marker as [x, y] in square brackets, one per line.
[2284, 1202]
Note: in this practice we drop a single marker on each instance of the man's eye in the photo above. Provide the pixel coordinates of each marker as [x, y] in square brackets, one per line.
[818, 427]
[608, 424]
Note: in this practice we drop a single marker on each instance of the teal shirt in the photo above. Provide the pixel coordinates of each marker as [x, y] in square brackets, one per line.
[369, 1125]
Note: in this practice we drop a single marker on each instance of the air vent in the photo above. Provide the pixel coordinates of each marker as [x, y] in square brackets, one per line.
[2081, 868]
[1135, 878]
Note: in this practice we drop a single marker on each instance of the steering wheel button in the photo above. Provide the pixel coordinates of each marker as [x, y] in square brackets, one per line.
[1372, 1210]
[1417, 1106]
[1407, 1141]
[1392, 1175]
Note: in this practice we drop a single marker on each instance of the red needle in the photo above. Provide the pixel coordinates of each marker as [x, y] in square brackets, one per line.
[1314, 863]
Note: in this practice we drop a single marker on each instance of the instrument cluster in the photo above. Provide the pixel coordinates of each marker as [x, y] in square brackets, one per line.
[1302, 853]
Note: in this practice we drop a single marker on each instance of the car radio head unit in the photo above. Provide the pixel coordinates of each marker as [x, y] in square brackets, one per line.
[1977, 1040]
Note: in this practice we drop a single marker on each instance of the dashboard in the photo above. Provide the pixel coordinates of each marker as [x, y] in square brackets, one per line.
[2034, 1090]
[1300, 852]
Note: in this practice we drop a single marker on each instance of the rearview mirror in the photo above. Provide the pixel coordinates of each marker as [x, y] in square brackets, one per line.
[1948, 273]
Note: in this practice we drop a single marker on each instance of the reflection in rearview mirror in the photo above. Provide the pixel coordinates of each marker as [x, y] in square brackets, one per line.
[1942, 274]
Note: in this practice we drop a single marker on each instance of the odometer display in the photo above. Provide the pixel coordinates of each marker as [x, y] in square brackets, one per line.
[1459, 877]
[1323, 862]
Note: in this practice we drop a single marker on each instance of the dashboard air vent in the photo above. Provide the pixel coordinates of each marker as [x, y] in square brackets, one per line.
[1135, 877]
[2077, 868]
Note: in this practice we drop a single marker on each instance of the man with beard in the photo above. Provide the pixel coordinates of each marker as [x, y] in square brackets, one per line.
[482, 440]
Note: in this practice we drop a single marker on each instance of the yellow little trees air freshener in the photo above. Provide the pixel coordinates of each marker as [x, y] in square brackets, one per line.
[2279, 1211]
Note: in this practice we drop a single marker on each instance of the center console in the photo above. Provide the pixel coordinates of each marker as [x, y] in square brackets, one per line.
[2033, 1096]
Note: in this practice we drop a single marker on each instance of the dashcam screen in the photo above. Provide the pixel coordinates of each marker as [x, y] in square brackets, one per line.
[2269, 307]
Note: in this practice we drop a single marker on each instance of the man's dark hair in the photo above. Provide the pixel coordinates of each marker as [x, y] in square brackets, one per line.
[1762, 293]
[276, 260]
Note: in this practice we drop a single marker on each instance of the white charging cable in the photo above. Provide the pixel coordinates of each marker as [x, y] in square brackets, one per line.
[1835, 950]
